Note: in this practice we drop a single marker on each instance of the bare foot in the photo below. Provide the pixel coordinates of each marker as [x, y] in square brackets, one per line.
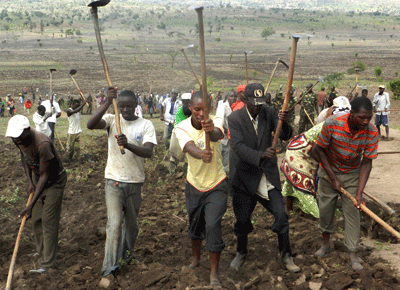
[195, 263]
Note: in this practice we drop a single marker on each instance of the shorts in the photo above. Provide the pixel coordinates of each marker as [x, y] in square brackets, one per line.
[381, 120]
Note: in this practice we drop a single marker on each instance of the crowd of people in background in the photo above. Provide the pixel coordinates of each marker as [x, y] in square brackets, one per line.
[238, 158]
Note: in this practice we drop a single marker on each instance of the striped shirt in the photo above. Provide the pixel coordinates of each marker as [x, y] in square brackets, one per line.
[343, 149]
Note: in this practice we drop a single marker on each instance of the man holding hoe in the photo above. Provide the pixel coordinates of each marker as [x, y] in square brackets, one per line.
[124, 175]
[46, 178]
[345, 149]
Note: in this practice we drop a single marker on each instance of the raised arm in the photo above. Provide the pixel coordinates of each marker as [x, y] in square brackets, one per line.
[70, 112]
[96, 121]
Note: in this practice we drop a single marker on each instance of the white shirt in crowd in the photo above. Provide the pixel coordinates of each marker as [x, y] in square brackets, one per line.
[53, 110]
[381, 102]
[223, 111]
[41, 124]
[139, 111]
[74, 123]
[129, 167]
[167, 107]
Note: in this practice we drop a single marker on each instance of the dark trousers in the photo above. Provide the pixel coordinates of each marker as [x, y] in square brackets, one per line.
[243, 206]
[46, 219]
[205, 210]
[52, 125]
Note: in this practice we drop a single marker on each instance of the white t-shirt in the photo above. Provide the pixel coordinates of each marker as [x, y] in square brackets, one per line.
[41, 124]
[129, 167]
[223, 111]
[53, 111]
[167, 106]
[139, 111]
[74, 123]
[381, 102]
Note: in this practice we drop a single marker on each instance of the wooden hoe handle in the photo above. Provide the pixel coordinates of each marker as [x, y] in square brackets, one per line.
[14, 256]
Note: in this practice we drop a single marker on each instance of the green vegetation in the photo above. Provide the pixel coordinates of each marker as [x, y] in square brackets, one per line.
[333, 79]
[394, 86]
[356, 65]
[377, 71]
[267, 31]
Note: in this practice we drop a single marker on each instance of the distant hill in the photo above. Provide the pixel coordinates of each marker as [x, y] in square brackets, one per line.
[386, 6]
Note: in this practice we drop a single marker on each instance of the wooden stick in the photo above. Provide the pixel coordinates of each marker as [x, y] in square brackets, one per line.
[299, 100]
[247, 74]
[379, 202]
[365, 209]
[95, 17]
[309, 118]
[59, 140]
[287, 91]
[190, 66]
[271, 77]
[14, 256]
[199, 11]
[389, 152]
[79, 90]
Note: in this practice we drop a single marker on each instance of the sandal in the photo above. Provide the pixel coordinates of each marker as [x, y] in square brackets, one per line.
[215, 283]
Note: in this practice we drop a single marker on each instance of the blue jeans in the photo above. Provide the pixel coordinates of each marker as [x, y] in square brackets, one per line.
[123, 202]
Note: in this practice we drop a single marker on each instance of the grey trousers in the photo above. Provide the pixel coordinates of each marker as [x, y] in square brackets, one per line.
[46, 219]
[327, 199]
[205, 210]
[123, 202]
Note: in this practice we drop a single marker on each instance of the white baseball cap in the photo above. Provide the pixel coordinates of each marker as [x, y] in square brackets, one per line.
[341, 102]
[186, 96]
[17, 125]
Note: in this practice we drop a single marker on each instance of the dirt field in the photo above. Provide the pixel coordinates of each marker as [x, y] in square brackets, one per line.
[140, 61]
[163, 248]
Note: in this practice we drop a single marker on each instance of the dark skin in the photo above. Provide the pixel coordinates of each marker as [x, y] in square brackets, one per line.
[197, 108]
[42, 113]
[270, 153]
[357, 121]
[76, 107]
[26, 143]
[231, 98]
[240, 96]
[126, 105]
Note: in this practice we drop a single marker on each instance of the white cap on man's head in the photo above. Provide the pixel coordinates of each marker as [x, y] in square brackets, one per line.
[186, 96]
[17, 125]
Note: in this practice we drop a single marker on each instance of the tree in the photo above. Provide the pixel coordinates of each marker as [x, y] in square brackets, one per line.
[394, 86]
[267, 31]
[333, 79]
[172, 54]
[357, 64]
[377, 71]
[69, 31]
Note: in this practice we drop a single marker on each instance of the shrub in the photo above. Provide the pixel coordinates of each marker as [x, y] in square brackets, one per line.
[394, 86]
[356, 64]
[377, 71]
[333, 79]
[267, 31]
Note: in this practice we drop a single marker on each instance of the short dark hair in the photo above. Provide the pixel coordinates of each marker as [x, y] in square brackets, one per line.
[267, 95]
[76, 101]
[196, 95]
[41, 108]
[361, 103]
[364, 91]
[128, 93]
